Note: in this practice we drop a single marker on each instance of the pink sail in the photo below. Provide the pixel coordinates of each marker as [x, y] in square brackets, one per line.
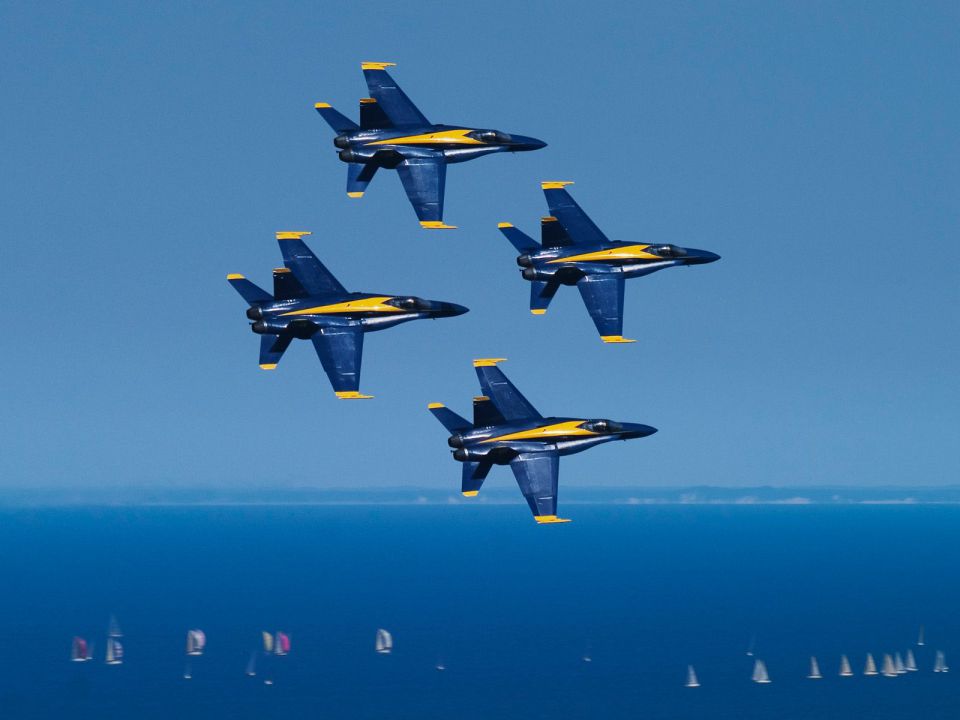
[79, 651]
[283, 643]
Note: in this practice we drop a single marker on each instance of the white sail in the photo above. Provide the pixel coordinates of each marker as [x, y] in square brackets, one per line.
[845, 669]
[814, 669]
[760, 674]
[114, 652]
[384, 642]
[940, 664]
[889, 669]
[252, 664]
[920, 640]
[870, 668]
[113, 629]
[196, 642]
[187, 674]
[911, 663]
[267, 642]
[692, 677]
[898, 664]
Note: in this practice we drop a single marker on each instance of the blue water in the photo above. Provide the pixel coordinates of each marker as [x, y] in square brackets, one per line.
[509, 606]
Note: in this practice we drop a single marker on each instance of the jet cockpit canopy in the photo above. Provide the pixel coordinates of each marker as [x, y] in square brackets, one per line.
[602, 426]
[667, 251]
[490, 136]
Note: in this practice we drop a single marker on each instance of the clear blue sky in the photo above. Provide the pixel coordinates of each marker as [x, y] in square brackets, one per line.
[149, 151]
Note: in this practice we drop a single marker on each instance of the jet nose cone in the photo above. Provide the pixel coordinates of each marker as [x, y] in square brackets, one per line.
[452, 310]
[522, 143]
[700, 257]
[637, 430]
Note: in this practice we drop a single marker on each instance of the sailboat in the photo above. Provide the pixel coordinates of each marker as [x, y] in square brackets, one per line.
[889, 669]
[196, 641]
[920, 641]
[845, 669]
[692, 677]
[187, 674]
[113, 628]
[114, 652]
[587, 654]
[898, 664]
[752, 645]
[814, 673]
[252, 664]
[384, 642]
[760, 674]
[440, 666]
[940, 664]
[871, 667]
[281, 643]
[911, 664]
[267, 642]
[80, 651]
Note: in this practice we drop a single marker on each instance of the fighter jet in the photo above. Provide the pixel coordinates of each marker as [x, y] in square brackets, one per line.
[394, 134]
[507, 430]
[309, 303]
[573, 251]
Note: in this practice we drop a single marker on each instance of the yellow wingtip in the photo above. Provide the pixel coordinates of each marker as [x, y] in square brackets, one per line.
[292, 234]
[470, 493]
[376, 65]
[280, 271]
[504, 225]
[235, 276]
[549, 519]
[321, 105]
[434, 406]
[547, 219]
[554, 184]
[539, 311]
[355, 194]
[367, 101]
[353, 395]
[268, 366]
[487, 362]
[616, 339]
[481, 398]
[436, 225]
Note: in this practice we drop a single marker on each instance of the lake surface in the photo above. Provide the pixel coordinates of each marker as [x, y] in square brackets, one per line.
[510, 607]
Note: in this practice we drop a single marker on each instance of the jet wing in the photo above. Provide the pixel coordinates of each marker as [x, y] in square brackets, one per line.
[340, 350]
[603, 296]
[313, 276]
[575, 221]
[537, 475]
[391, 99]
[505, 397]
[424, 178]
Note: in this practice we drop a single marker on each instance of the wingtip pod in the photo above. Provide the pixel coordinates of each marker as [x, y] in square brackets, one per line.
[613, 339]
[292, 234]
[366, 65]
[487, 362]
[555, 184]
[353, 395]
[436, 225]
[549, 519]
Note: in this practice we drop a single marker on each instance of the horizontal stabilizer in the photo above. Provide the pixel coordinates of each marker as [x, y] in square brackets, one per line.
[485, 412]
[286, 286]
[372, 116]
[358, 177]
[474, 473]
[552, 233]
[272, 348]
[448, 418]
[248, 291]
[335, 119]
[519, 239]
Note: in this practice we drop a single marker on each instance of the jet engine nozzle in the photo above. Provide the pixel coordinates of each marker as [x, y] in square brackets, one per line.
[460, 455]
[341, 141]
[255, 313]
[259, 327]
[524, 261]
[349, 156]
[529, 273]
[455, 440]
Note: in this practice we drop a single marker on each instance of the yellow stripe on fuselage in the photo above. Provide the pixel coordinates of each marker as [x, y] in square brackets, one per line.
[627, 252]
[443, 137]
[544, 432]
[371, 304]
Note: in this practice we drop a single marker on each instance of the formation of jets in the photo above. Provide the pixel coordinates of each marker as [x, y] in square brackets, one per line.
[309, 303]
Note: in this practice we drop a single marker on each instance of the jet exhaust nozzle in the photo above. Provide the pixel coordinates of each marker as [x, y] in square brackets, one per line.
[461, 455]
[524, 261]
[259, 327]
[255, 313]
[529, 273]
[349, 156]
[341, 141]
[455, 440]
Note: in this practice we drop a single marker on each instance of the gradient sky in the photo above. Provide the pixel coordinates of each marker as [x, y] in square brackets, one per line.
[150, 150]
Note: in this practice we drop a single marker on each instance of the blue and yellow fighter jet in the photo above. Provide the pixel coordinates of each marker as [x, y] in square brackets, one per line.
[507, 430]
[309, 303]
[394, 134]
[573, 251]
